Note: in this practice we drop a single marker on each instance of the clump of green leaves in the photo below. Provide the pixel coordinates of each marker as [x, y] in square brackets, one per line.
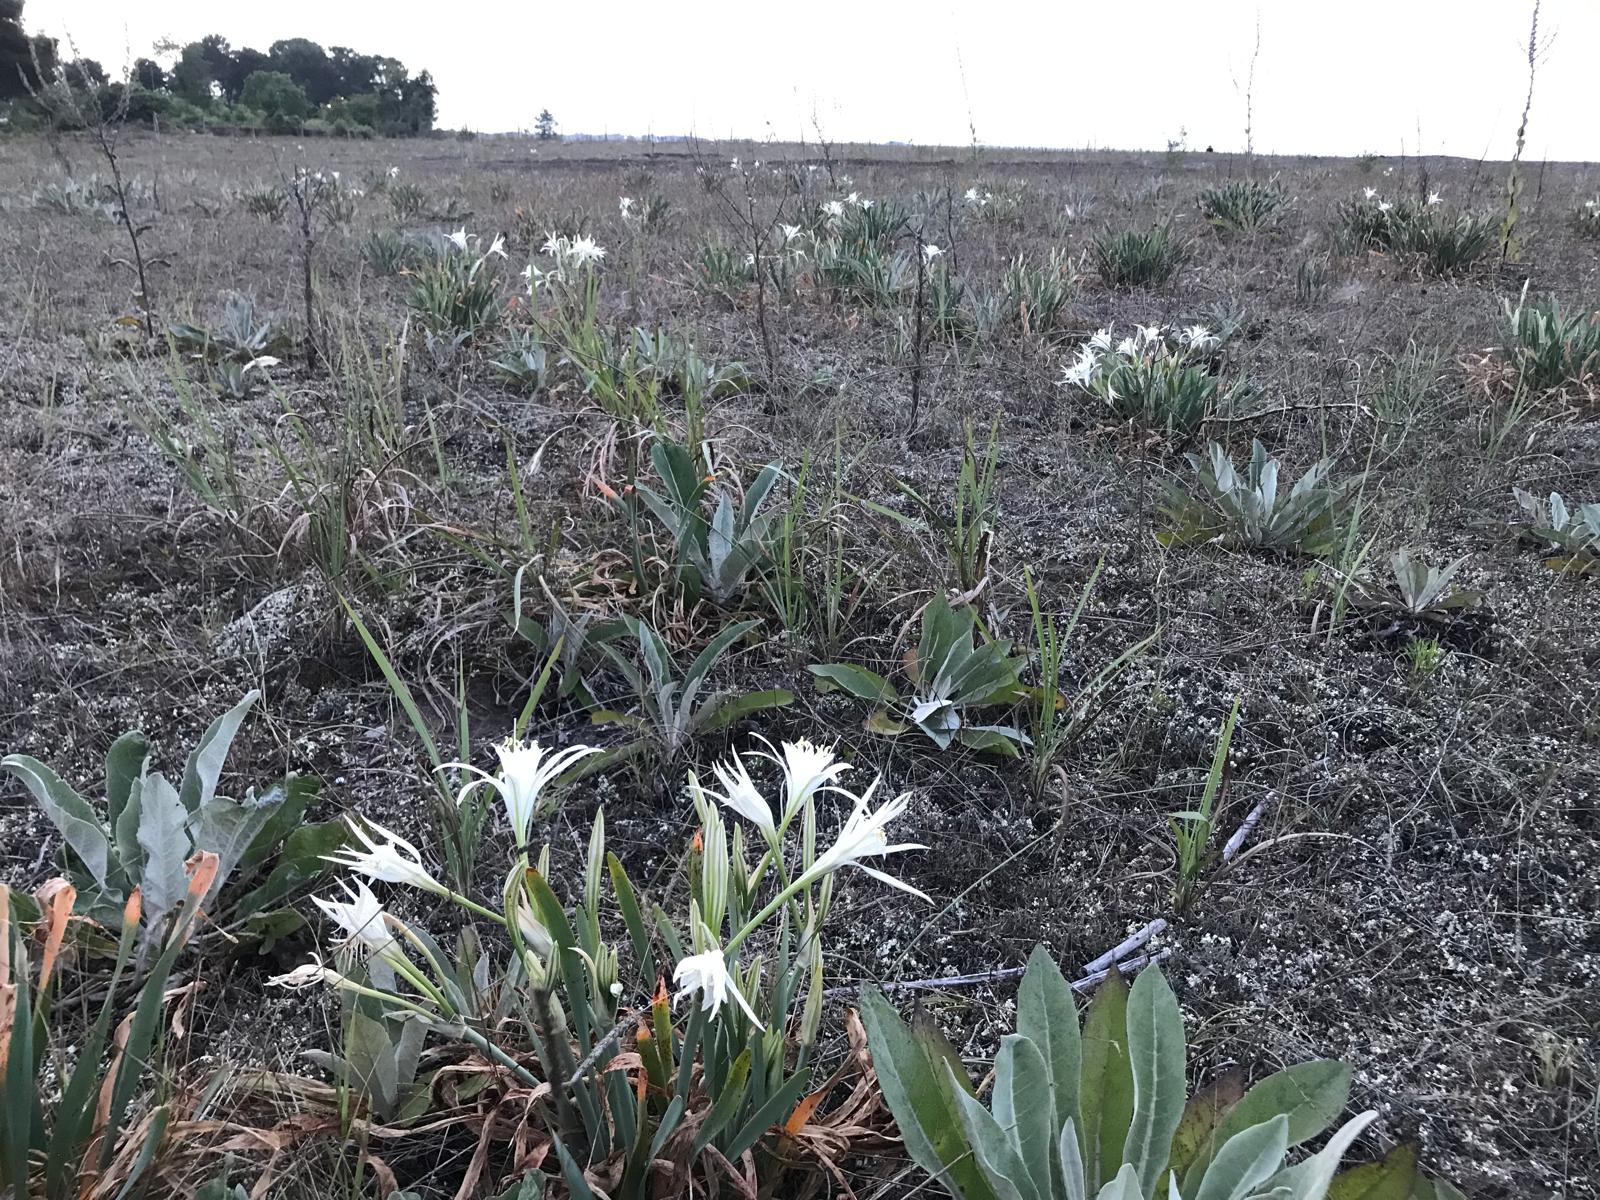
[967, 527]
[1248, 511]
[1100, 1110]
[1572, 532]
[1139, 258]
[1037, 295]
[1060, 712]
[1311, 278]
[1444, 240]
[721, 268]
[1551, 350]
[67, 1094]
[389, 252]
[149, 829]
[521, 360]
[717, 558]
[1163, 378]
[455, 293]
[675, 706]
[1414, 590]
[408, 200]
[266, 203]
[1244, 205]
[957, 671]
[1586, 218]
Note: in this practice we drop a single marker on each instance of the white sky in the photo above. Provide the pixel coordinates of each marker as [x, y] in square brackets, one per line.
[1332, 78]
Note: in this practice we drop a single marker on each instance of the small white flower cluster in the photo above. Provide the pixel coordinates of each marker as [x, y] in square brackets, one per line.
[1146, 342]
[978, 199]
[571, 254]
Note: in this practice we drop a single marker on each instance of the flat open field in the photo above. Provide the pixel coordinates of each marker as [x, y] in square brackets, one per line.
[1417, 890]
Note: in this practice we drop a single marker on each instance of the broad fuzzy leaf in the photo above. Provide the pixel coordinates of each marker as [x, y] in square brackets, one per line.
[1160, 1086]
[1105, 1099]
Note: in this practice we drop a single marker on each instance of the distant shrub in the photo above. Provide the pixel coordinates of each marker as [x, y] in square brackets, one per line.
[1244, 205]
[1551, 350]
[407, 199]
[1037, 295]
[1445, 240]
[267, 203]
[387, 252]
[1311, 278]
[1586, 218]
[455, 292]
[1131, 258]
[1158, 378]
[1250, 512]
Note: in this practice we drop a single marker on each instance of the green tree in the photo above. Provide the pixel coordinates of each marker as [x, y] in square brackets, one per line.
[278, 98]
[306, 63]
[17, 52]
[147, 73]
[545, 127]
[191, 76]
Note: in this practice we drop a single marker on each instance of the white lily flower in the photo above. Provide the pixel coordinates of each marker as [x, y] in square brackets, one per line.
[708, 974]
[393, 860]
[790, 232]
[1148, 333]
[625, 203]
[972, 195]
[525, 771]
[394, 172]
[363, 922]
[459, 238]
[931, 252]
[1369, 192]
[863, 837]
[1199, 337]
[584, 251]
[833, 208]
[1101, 340]
[807, 768]
[1384, 206]
[740, 794]
[1081, 372]
[552, 243]
[1435, 198]
[1127, 347]
[852, 198]
[498, 246]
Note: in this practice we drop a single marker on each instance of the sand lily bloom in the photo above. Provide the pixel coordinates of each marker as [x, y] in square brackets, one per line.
[1384, 206]
[930, 252]
[863, 837]
[584, 251]
[708, 974]
[535, 935]
[807, 768]
[1369, 192]
[790, 232]
[525, 771]
[1081, 371]
[1199, 337]
[1435, 198]
[498, 246]
[391, 860]
[364, 923]
[458, 239]
[740, 794]
[624, 205]
[1101, 341]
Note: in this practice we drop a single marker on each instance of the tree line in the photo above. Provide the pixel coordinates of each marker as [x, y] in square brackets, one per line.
[293, 86]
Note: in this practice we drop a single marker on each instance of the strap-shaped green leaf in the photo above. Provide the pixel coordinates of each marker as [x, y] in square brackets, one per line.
[68, 812]
[1160, 1086]
[1022, 1109]
[1105, 1097]
[920, 1093]
[1246, 1161]
[1047, 1015]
